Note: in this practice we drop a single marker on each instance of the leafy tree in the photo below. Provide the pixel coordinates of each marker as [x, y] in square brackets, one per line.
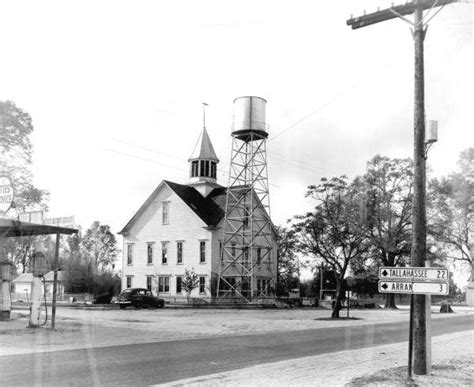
[386, 192]
[15, 127]
[100, 247]
[364, 274]
[16, 150]
[451, 211]
[331, 232]
[81, 269]
[288, 262]
[190, 281]
[15, 146]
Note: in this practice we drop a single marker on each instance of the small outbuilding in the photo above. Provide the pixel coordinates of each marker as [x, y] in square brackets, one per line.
[21, 286]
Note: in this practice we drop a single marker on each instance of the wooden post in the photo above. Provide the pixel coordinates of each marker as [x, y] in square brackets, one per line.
[418, 247]
[55, 283]
[410, 339]
[418, 251]
[428, 329]
[321, 283]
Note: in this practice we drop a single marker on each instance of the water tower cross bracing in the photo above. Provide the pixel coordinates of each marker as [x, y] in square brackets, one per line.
[247, 268]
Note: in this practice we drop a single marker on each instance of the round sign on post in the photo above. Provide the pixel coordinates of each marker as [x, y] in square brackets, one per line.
[6, 194]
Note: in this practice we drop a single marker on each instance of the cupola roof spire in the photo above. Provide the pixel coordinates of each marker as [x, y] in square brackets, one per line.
[203, 150]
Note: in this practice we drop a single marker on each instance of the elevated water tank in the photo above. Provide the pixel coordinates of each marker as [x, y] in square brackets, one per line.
[249, 119]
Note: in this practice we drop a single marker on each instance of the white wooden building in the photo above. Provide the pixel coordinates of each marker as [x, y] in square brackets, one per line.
[21, 288]
[180, 227]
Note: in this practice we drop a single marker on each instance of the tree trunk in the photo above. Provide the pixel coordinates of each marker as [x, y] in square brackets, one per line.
[337, 303]
[390, 301]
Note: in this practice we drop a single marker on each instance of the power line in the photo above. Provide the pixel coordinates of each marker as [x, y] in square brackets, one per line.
[146, 148]
[141, 158]
[308, 115]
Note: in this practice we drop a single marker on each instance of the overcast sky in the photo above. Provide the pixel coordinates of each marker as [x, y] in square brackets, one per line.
[115, 90]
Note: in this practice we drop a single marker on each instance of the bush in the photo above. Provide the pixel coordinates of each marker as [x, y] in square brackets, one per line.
[103, 299]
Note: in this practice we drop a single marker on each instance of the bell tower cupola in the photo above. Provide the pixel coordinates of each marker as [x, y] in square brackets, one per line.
[203, 164]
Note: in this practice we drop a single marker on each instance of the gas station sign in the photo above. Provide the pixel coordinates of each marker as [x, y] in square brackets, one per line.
[6, 194]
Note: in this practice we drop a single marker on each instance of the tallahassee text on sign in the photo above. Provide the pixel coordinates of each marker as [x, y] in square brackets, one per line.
[414, 273]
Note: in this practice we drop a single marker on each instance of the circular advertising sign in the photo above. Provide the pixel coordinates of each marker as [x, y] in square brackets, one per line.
[6, 194]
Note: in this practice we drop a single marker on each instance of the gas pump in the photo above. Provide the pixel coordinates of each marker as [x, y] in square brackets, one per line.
[5, 310]
[40, 265]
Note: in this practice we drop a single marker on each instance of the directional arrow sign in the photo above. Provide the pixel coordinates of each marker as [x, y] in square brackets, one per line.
[414, 273]
[409, 287]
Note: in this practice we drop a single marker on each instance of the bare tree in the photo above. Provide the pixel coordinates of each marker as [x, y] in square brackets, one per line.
[190, 281]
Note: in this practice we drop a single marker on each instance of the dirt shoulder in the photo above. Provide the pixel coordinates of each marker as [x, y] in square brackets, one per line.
[384, 365]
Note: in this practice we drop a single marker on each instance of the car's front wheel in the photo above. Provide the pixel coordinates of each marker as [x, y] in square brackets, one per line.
[123, 306]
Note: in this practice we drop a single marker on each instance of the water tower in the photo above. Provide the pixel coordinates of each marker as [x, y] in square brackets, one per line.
[248, 262]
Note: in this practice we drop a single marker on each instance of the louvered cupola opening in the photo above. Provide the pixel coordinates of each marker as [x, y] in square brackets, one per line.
[204, 168]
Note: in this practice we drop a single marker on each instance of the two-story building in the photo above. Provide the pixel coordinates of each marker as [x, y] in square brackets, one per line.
[179, 227]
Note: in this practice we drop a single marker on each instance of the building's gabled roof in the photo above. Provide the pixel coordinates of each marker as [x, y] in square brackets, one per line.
[48, 277]
[203, 150]
[24, 277]
[210, 209]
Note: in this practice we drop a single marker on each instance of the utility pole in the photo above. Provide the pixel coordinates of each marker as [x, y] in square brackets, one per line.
[55, 283]
[418, 247]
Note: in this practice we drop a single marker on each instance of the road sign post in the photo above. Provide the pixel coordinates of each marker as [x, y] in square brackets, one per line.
[414, 280]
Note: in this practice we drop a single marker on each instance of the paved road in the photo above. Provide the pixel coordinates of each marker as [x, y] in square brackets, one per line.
[152, 363]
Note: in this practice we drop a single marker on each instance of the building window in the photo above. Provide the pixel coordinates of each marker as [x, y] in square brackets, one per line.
[202, 251]
[246, 216]
[130, 254]
[259, 255]
[221, 256]
[213, 169]
[149, 253]
[262, 285]
[246, 253]
[232, 249]
[179, 283]
[245, 285]
[164, 284]
[179, 252]
[202, 285]
[194, 168]
[149, 282]
[129, 281]
[164, 252]
[166, 213]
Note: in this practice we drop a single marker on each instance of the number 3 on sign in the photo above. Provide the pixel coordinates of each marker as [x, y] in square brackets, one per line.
[440, 287]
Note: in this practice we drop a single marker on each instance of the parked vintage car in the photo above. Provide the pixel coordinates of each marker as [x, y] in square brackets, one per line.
[139, 297]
